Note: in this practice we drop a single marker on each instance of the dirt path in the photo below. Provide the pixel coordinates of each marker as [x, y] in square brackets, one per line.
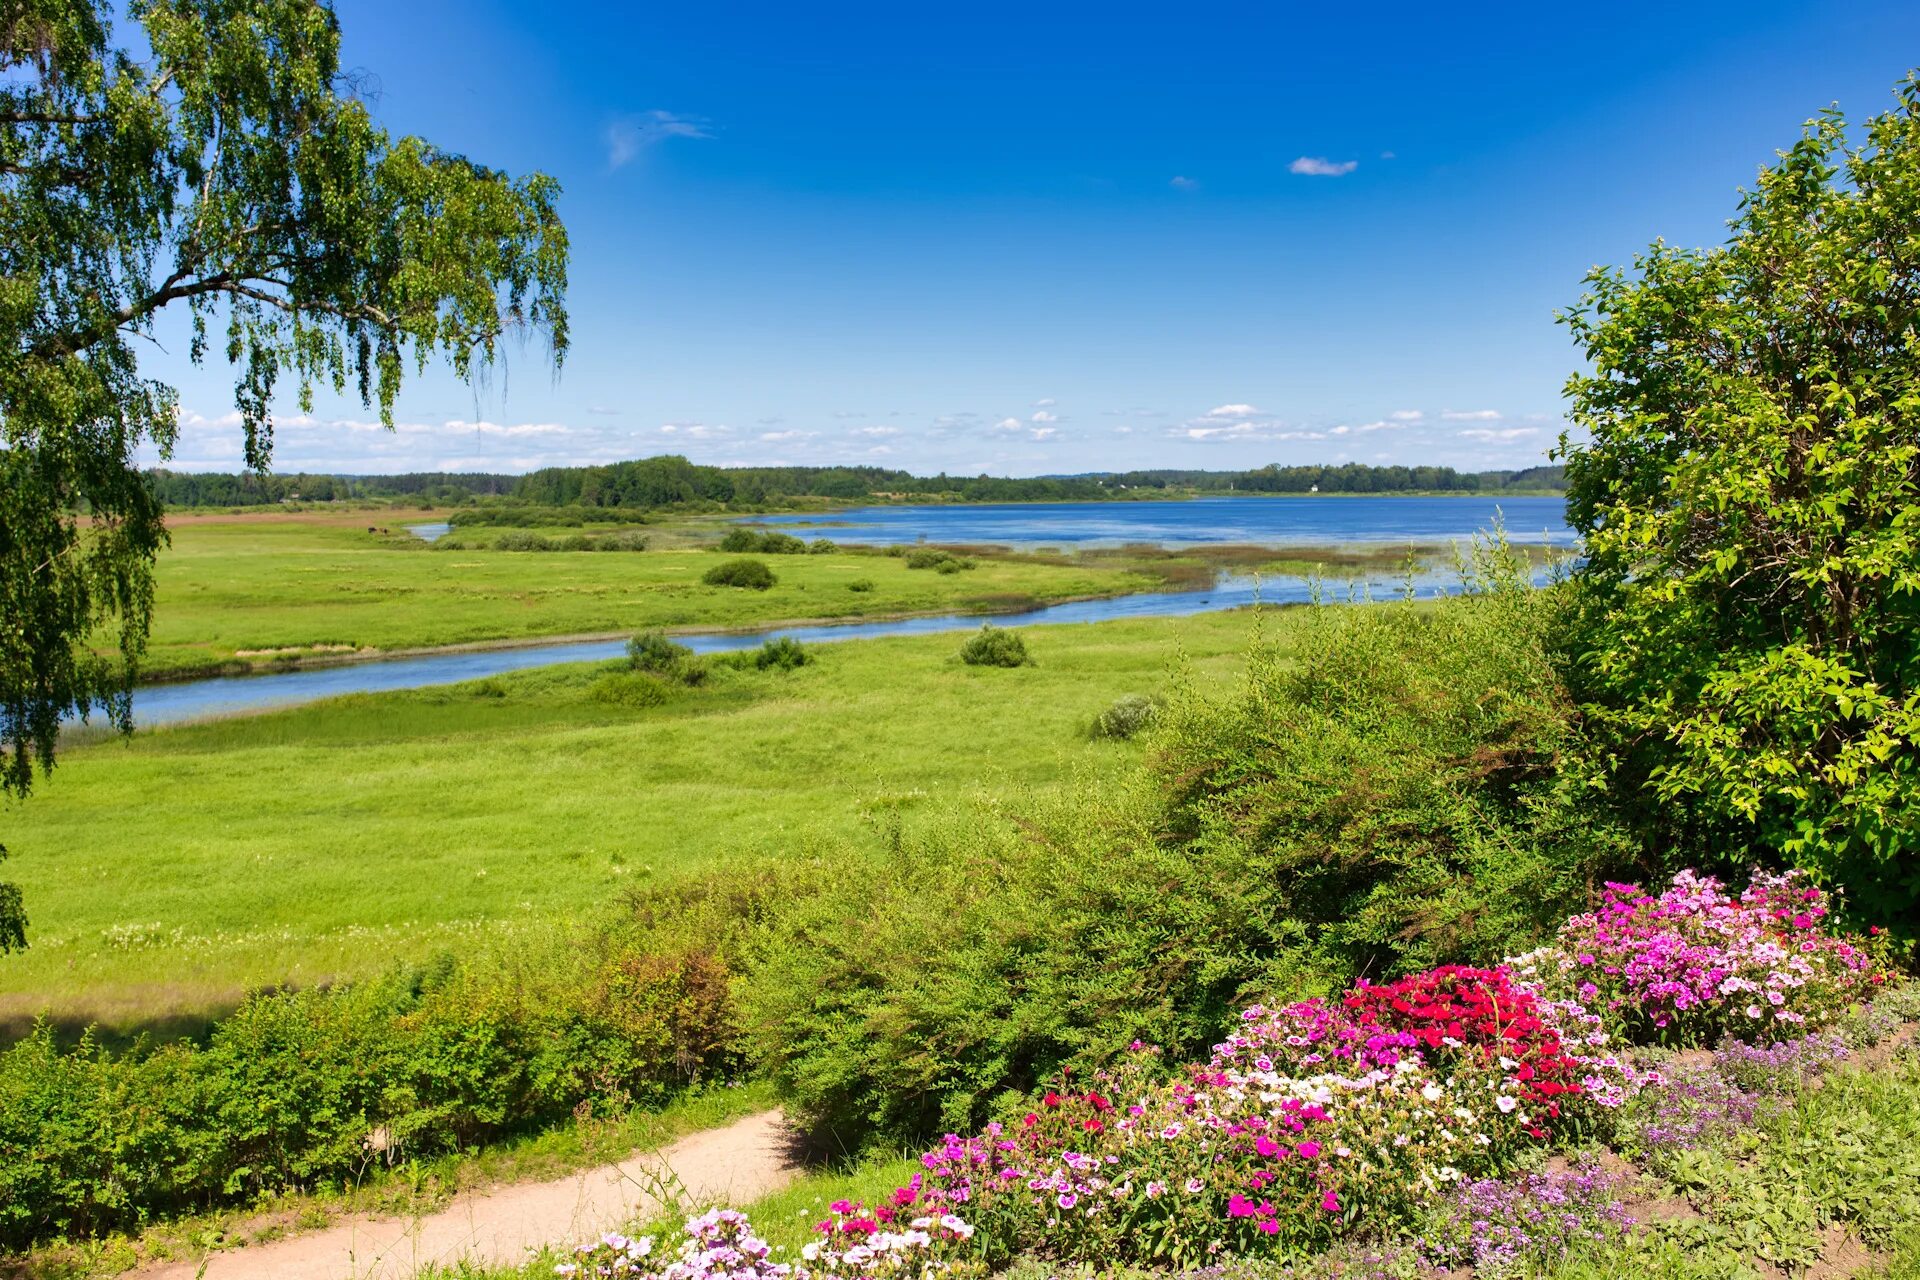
[497, 1227]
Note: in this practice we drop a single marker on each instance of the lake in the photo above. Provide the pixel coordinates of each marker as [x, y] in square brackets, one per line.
[1262, 521]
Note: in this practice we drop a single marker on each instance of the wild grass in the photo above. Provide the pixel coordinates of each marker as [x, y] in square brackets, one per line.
[168, 874]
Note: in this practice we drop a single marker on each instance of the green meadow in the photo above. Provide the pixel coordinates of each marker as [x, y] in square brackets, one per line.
[169, 873]
[255, 589]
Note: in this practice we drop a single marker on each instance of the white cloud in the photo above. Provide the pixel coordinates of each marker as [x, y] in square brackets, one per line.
[1044, 433]
[696, 430]
[1471, 415]
[1507, 433]
[1233, 411]
[628, 136]
[1321, 167]
[1009, 424]
[779, 437]
[1045, 402]
[1183, 183]
[1044, 416]
[876, 433]
[1406, 415]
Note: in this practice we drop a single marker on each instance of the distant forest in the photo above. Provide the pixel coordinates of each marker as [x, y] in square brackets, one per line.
[672, 481]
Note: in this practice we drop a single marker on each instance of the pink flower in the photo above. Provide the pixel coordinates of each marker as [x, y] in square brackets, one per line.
[1309, 1150]
[1330, 1202]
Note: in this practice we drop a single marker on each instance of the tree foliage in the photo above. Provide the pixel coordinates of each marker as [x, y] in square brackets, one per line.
[230, 171]
[1750, 501]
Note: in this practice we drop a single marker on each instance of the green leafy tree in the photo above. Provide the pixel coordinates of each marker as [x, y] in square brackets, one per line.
[228, 169]
[1750, 501]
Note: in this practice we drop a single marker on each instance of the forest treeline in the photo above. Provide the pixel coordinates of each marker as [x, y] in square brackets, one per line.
[671, 481]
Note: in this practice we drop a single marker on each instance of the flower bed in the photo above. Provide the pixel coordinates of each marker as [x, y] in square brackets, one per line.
[1696, 963]
[1412, 1107]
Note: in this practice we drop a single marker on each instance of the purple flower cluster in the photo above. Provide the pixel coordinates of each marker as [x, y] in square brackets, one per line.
[1496, 1225]
[1779, 1067]
[1695, 962]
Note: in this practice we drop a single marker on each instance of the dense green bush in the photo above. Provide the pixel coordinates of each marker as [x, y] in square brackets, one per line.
[993, 646]
[521, 540]
[860, 584]
[751, 574]
[302, 1090]
[1130, 714]
[822, 547]
[1387, 792]
[1749, 638]
[653, 652]
[938, 560]
[766, 541]
[624, 540]
[782, 653]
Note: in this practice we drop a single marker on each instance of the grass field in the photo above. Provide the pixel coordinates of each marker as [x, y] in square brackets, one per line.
[166, 874]
[255, 589]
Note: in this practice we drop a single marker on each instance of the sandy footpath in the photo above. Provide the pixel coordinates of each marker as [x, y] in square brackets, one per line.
[498, 1226]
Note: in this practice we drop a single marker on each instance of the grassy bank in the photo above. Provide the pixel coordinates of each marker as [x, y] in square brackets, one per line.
[168, 874]
[253, 591]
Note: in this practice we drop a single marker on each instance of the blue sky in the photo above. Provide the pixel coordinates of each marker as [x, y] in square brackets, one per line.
[1039, 237]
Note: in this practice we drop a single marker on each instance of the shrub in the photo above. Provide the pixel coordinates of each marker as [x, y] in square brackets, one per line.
[766, 541]
[1385, 794]
[936, 559]
[750, 574]
[521, 540]
[822, 547]
[653, 652]
[298, 1090]
[860, 584]
[782, 653]
[624, 540]
[993, 646]
[574, 542]
[1130, 714]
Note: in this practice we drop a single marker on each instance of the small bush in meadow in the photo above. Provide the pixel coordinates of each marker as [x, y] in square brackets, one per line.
[653, 652]
[765, 541]
[1130, 714]
[993, 646]
[782, 653]
[521, 540]
[625, 540]
[574, 542]
[753, 575]
[822, 547]
[937, 560]
[860, 584]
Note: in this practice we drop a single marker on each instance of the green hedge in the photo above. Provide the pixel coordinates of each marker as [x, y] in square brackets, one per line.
[302, 1090]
